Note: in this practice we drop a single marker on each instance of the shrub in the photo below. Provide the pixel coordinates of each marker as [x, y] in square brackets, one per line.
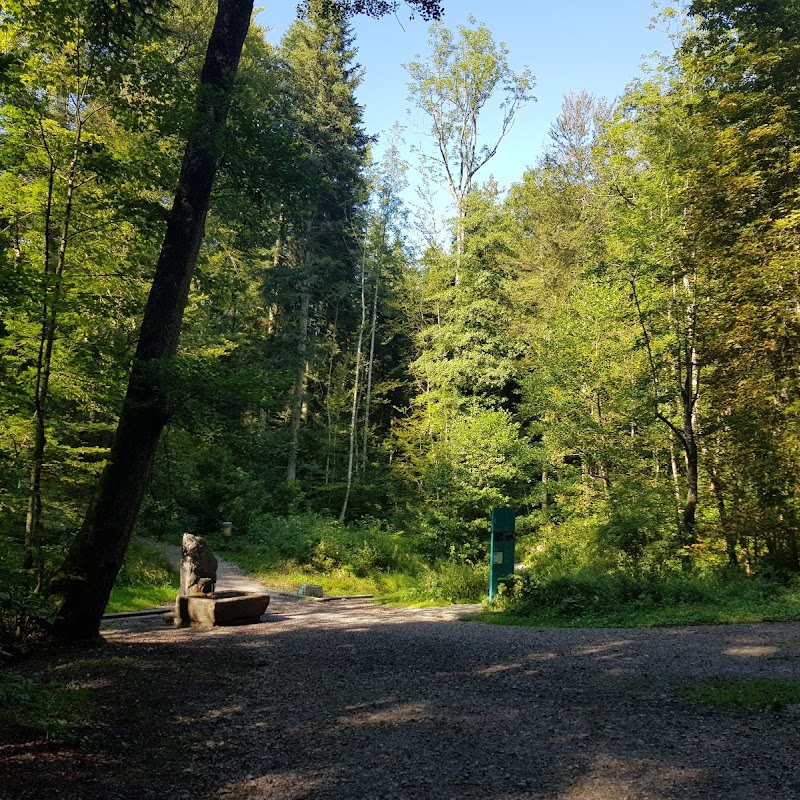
[144, 566]
[594, 592]
[456, 582]
[322, 542]
[42, 706]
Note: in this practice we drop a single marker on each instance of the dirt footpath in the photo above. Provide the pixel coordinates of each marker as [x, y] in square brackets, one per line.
[349, 701]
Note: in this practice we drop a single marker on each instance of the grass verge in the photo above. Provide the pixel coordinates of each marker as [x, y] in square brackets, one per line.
[146, 580]
[348, 560]
[629, 601]
[756, 694]
[42, 707]
[690, 614]
[426, 587]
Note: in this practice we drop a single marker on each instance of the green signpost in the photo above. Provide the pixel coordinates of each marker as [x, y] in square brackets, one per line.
[501, 551]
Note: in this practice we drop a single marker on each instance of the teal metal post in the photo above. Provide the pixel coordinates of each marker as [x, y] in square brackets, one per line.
[501, 551]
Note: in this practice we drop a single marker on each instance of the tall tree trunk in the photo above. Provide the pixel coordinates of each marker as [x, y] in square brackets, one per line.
[687, 375]
[675, 474]
[50, 308]
[371, 362]
[272, 310]
[87, 576]
[299, 384]
[689, 517]
[545, 500]
[330, 456]
[356, 393]
[722, 510]
[689, 396]
[42, 377]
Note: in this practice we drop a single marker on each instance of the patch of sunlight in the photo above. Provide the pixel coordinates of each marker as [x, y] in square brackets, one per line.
[751, 651]
[393, 715]
[611, 777]
[604, 650]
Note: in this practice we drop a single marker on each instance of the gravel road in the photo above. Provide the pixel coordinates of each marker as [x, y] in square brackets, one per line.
[350, 701]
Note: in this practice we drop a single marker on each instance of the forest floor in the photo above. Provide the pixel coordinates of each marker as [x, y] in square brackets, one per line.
[345, 700]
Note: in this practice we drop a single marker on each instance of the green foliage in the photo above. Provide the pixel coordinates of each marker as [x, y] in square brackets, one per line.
[611, 349]
[320, 542]
[640, 523]
[633, 598]
[748, 695]
[147, 579]
[587, 592]
[462, 73]
[23, 611]
[42, 706]
[472, 458]
[363, 557]
[202, 480]
[565, 546]
[746, 214]
[454, 582]
[442, 582]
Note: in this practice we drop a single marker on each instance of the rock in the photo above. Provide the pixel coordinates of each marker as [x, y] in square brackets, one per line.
[198, 567]
[226, 608]
[309, 590]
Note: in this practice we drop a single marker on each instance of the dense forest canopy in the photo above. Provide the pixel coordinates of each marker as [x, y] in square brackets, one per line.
[611, 346]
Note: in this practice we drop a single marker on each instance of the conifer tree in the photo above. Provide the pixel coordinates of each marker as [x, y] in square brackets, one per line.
[317, 251]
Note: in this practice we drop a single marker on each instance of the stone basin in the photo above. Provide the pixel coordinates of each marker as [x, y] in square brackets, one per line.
[220, 608]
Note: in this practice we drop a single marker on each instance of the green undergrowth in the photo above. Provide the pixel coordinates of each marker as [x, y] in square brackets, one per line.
[754, 694]
[626, 600]
[333, 581]
[371, 558]
[146, 580]
[361, 558]
[42, 706]
[442, 583]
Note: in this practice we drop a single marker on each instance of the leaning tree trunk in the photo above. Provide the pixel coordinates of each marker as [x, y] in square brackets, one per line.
[87, 576]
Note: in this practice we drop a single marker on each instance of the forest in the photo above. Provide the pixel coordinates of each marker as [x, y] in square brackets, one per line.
[611, 346]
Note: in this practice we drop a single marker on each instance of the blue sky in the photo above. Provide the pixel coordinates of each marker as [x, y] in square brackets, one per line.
[571, 45]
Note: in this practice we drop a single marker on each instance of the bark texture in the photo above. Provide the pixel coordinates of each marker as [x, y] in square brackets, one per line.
[85, 582]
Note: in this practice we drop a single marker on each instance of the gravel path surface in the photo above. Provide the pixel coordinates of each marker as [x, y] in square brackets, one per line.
[350, 701]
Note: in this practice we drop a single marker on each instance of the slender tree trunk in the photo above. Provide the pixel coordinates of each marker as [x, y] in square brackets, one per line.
[686, 373]
[744, 554]
[50, 308]
[459, 247]
[675, 474]
[371, 362]
[692, 480]
[42, 380]
[356, 393]
[272, 311]
[689, 396]
[299, 384]
[545, 501]
[87, 576]
[605, 471]
[330, 457]
[722, 511]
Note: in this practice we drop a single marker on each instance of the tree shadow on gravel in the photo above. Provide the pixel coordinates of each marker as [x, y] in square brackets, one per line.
[325, 709]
